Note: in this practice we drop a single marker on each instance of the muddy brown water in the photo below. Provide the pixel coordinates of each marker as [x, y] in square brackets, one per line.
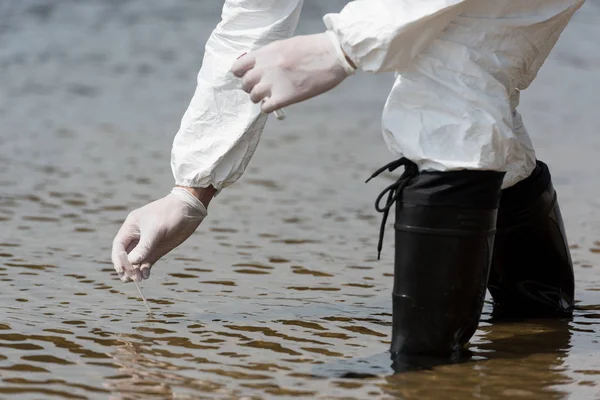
[279, 293]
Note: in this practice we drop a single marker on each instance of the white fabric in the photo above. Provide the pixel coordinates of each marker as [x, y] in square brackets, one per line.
[460, 65]
[221, 127]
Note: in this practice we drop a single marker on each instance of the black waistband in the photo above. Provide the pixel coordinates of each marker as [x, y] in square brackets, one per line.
[460, 189]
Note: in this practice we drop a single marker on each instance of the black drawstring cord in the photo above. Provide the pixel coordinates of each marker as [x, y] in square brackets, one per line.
[394, 191]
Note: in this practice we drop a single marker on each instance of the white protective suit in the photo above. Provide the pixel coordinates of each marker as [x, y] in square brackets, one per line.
[460, 66]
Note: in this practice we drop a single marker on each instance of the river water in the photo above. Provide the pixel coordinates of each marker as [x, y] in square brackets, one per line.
[279, 293]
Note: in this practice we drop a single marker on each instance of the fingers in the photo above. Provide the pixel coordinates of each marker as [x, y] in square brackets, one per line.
[145, 270]
[252, 84]
[151, 260]
[270, 104]
[127, 235]
[139, 245]
[125, 270]
[122, 275]
[243, 65]
[116, 260]
[260, 92]
[251, 79]
[148, 241]
[151, 232]
[137, 273]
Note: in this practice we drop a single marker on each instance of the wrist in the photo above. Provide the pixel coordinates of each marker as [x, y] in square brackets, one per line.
[349, 60]
[343, 58]
[205, 195]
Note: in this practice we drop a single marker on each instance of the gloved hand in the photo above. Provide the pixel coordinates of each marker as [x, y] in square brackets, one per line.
[152, 231]
[293, 70]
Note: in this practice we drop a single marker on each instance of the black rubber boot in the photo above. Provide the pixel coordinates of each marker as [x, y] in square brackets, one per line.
[445, 224]
[532, 271]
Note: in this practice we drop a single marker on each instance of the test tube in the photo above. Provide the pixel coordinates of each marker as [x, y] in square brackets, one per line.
[143, 298]
[127, 266]
[280, 114]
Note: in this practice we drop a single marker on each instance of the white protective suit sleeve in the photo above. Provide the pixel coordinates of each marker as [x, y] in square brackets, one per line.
[221, 127]
[386, 35]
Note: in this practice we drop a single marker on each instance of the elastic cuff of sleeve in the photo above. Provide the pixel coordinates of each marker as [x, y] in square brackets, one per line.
[350, 70]
[190, 200]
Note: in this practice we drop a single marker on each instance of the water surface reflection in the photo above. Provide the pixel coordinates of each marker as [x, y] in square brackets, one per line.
[279, 294]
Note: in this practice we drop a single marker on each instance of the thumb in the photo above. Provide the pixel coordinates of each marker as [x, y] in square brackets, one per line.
[148, 242]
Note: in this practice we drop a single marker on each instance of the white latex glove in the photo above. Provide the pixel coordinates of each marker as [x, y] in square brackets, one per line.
[292, 70]
[154, 230]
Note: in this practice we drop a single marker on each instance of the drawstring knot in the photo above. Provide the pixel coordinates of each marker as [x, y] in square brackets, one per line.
[393, 191]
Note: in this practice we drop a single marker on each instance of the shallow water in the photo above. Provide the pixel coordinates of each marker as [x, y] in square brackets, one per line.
[279, 294]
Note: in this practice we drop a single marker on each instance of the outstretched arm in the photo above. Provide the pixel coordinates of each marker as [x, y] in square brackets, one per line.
[218, 135]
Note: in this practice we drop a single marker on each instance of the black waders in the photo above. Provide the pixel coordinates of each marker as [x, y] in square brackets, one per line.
[532, 272]
[445, 226]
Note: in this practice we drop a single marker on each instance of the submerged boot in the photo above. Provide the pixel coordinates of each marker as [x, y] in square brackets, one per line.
[532, 272]
[445, 224]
